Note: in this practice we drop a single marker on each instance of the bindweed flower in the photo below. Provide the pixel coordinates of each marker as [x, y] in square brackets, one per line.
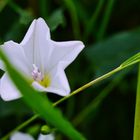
[23, 136]
[41, 60]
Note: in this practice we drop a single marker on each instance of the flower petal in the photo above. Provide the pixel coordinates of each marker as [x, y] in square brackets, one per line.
[7, 90]
[28, 42]
[36, 43]
[65, 52]
[17, 57]
[46, 137]
[21, 136]
[58, 82]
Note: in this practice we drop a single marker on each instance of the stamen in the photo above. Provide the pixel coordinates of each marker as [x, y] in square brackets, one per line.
[36, 73]
[41, 79]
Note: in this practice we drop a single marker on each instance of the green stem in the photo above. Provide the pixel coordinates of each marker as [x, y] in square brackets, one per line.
[105, 20]
[91, 107]
[137, 110]
[88, 85]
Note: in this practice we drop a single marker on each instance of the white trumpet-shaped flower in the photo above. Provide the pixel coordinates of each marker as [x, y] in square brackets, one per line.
[41, 60]
[23, 136]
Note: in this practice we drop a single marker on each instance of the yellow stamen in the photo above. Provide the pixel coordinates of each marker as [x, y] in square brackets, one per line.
[45, 82]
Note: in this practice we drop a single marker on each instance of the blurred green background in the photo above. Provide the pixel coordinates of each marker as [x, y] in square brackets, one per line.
[110, 30]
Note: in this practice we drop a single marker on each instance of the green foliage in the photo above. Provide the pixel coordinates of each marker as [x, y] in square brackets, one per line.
[113, 51]
[110, 30]
[56, 19]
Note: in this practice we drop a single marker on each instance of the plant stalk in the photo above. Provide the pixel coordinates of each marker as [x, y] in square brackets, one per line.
[136, 135]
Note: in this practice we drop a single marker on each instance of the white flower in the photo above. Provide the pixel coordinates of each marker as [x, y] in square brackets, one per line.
[23, 136]
[41, 60]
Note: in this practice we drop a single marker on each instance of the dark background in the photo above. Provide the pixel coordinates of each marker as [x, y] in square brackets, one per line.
[110, 30]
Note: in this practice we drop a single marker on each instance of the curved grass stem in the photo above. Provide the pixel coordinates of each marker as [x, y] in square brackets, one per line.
[137, 110]
[74, 17]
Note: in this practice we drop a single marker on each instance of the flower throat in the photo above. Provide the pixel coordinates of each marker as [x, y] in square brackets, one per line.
[39, 77]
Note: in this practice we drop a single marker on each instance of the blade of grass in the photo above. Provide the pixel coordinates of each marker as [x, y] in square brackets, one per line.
[132, 60]
[82, 12]
[3, 3]
[92, 22]
[40, 104]
[91, 107]
[74, 17]
[105, 20]
[136, 135]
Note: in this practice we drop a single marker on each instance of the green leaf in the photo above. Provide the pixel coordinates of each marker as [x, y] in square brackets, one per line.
[110, 53]
[41, 105]
[56, 19]
[132, 60]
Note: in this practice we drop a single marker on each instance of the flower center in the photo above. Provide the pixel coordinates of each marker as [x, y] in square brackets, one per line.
[36, 73]
[39, 77]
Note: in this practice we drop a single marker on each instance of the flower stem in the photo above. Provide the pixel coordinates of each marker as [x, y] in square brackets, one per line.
[96, 102]
[88, 85]
[137, 110]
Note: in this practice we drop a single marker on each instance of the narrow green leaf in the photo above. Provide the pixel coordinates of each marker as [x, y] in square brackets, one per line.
[70, 5]
[92, 22]
[81, 12]
[105, 19]
[3, 3]
[136, 135]
[56, 19]
[132, 60]
[41, 105]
